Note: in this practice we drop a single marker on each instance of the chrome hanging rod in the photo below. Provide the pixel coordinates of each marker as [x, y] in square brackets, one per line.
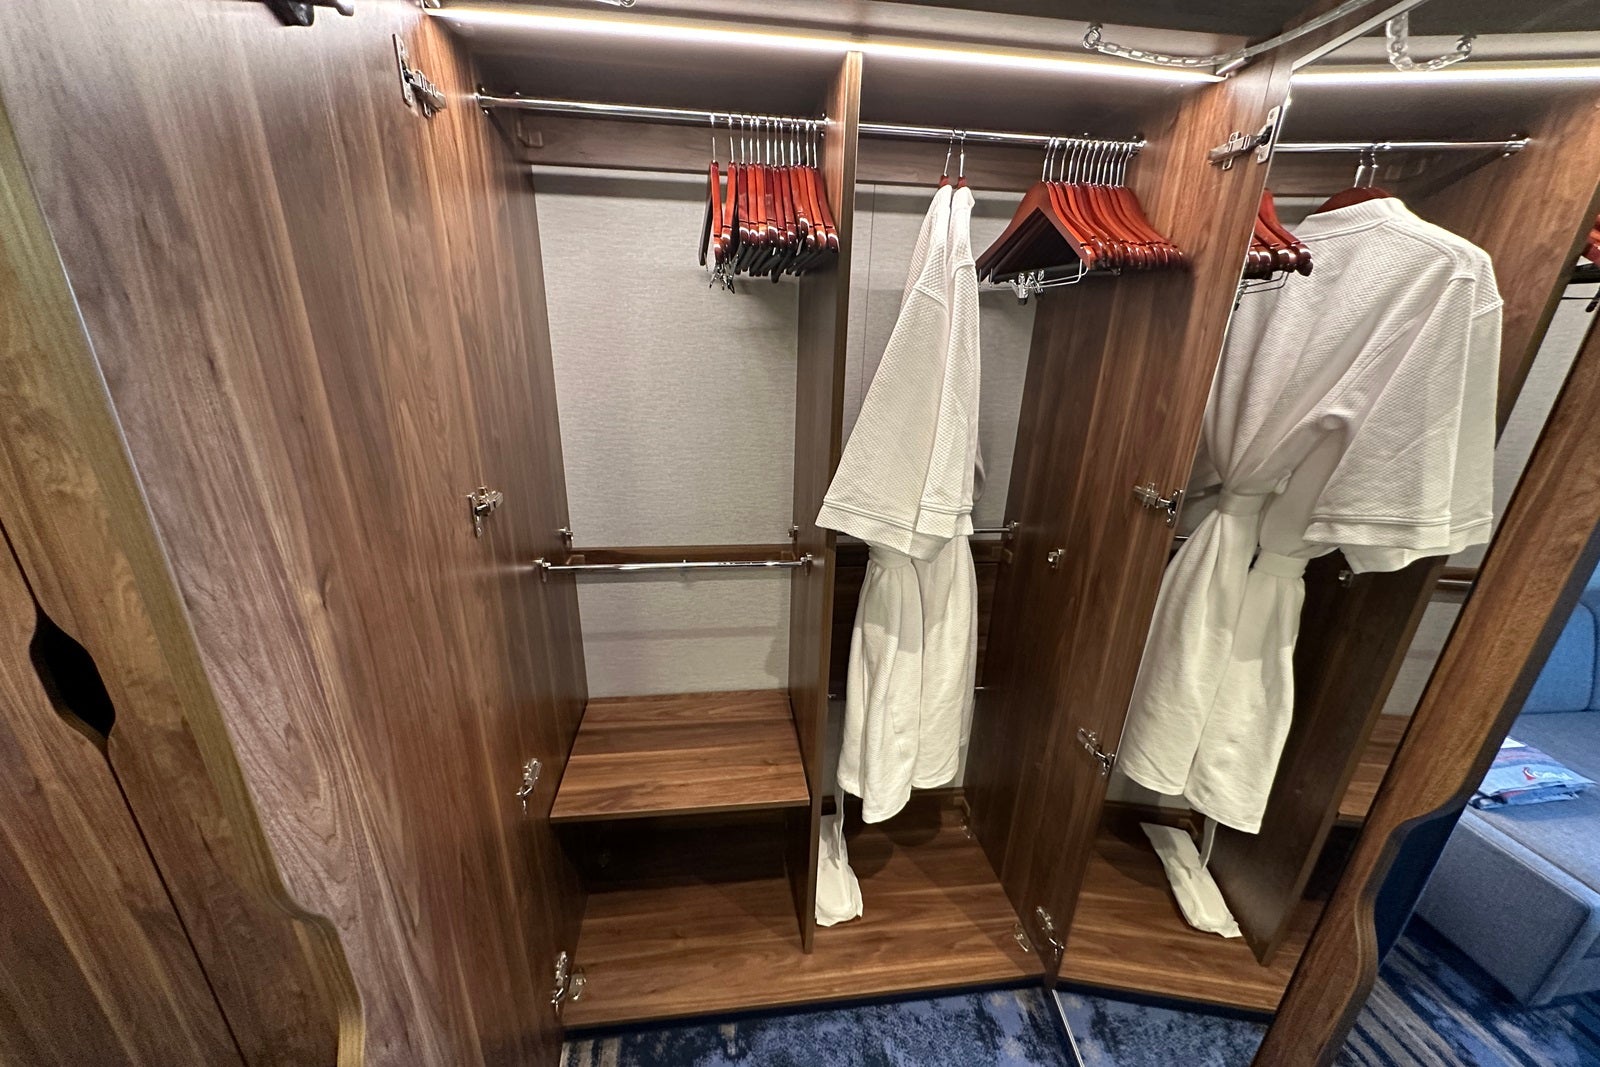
[675, 116]
[546, 568]
[1508, 147]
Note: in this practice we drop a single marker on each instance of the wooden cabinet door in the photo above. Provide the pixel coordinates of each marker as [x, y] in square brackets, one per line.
[98, 968]
[1117, 383]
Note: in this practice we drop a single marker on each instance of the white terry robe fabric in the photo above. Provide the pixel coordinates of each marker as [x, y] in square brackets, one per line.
[1353, 409]
[905, 486]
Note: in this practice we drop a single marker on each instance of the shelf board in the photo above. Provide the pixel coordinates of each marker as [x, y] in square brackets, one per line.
[682, 754]
[1128, 936]
[1375, 760]
[691, 940]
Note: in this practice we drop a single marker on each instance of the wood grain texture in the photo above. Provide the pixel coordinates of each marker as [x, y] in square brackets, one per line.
[1530, 579]
[75, 516]
[320, 320]
[98, 967]
[1530, 212]
[818, 429]
[1116, 385]
[696, 943]
[1127, 935]
[682, 754]
[1376, 756]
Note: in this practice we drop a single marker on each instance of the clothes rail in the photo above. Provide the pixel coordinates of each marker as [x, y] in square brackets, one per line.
[547, 568]
[1509, 146]
[674, 116]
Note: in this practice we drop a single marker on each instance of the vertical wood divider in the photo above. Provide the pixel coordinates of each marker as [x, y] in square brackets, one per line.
[818, 429]
[1530, 212]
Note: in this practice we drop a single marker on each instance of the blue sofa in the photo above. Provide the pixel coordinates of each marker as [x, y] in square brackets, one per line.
[1518, 889]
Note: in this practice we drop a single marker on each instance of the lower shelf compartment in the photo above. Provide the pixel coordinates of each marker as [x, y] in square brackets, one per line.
[701, 938]
[1128, 936]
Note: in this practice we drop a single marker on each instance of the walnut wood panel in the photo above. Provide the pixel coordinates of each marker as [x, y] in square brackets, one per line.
[320, 319]
[701, 938]
[818, 427]
[76, 519]
[1529, 581]
[682, 754]
[1375, 759]
[98, 969]
[1530, 212]
[1116, 385]
[1128, 935]
[852, 571]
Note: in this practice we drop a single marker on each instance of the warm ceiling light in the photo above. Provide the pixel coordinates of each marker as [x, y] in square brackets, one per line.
[677, 32]
[1453, 75]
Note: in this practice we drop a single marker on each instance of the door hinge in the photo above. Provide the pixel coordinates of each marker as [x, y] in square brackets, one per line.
[570, 981]
[1045, 927]
[1091, 744]
[1149, 496]
[530, 778]
[416, 89]
[483, 502]
[1239, 143]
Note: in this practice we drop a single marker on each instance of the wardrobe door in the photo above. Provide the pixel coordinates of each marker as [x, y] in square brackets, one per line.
[319, 334]
[1117, 382]
[98, 969]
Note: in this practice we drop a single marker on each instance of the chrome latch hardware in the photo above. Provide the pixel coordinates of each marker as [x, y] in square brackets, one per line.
[415, 87]
[1149, 496]
[570, 981]
[530, 778]
[483, 502]
[1047, 933]
[1091, 744]
[1053, 557]
[1239, 143]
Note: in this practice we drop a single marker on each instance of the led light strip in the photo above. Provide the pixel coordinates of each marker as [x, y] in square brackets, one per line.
[685, 33]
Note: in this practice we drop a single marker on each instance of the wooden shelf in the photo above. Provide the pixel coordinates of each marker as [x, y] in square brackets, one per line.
[1375, 760]
[682, 754]
[1128, 936]
[692, 939]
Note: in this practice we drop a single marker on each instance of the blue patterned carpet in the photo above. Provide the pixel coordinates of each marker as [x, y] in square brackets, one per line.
[1432, 1008]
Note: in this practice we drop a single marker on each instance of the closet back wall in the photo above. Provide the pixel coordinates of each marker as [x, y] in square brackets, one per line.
[677, 426]
[677, 411]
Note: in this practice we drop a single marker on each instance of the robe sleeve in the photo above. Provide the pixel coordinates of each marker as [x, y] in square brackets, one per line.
[1417, 479]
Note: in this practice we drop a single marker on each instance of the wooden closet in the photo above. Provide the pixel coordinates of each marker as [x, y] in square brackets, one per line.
[279, 321]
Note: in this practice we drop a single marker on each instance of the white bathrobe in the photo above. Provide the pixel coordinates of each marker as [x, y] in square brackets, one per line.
[905, 486]
[1353, 409]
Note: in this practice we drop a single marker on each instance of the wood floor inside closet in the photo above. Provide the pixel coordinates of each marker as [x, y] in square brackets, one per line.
[688, 926]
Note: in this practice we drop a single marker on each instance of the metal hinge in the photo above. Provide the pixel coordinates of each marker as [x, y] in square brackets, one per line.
[570, 981]
[1047, 939]
[1239, 143]
[483, 502]
[1149, 496]
[1091, 744]
[530, 778]
[303, 12]
[415, 87]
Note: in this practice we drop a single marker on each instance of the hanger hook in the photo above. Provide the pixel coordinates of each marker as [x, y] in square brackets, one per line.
[961, 172]
[948, 149]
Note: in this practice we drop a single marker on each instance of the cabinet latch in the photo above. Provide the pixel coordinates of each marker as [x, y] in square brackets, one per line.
[1091, 744]
[530, 778]
[570, 981]
[1149, 496]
